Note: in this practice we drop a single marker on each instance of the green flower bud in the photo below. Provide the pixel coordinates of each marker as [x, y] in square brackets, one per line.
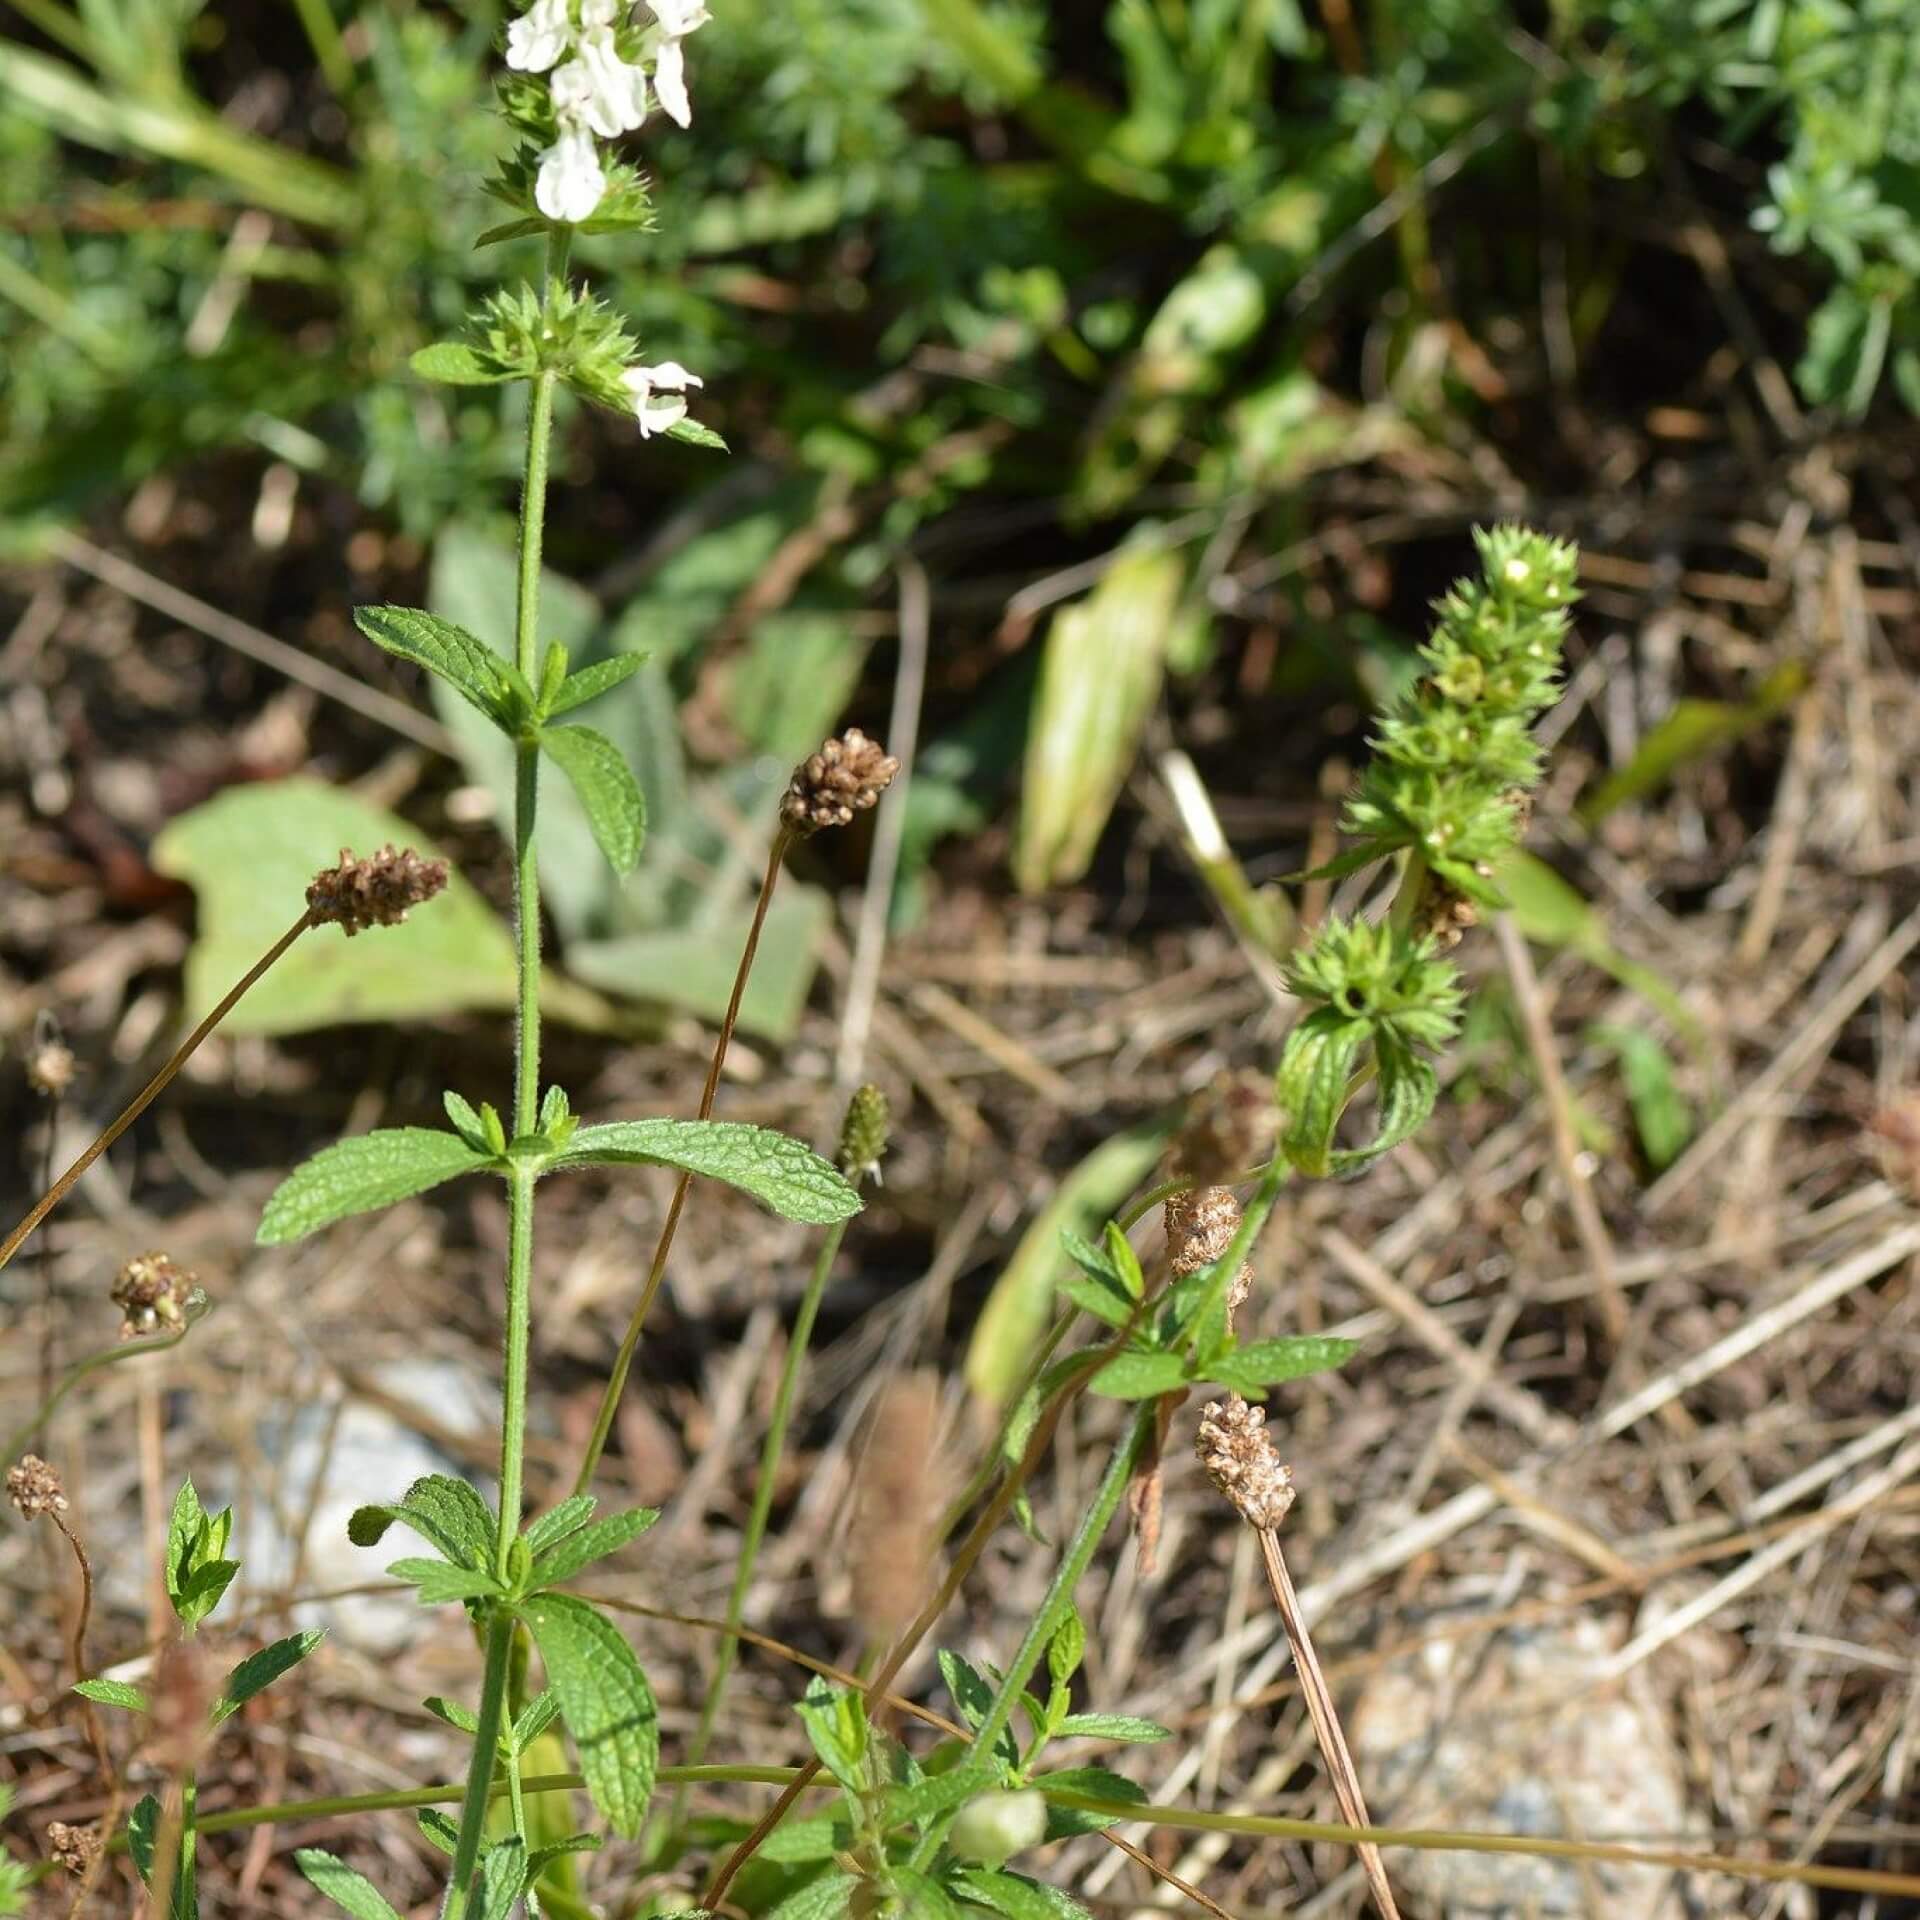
[863, 1134]
[991, 1829]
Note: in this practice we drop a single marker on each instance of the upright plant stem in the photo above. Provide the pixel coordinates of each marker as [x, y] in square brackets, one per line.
[756, 1527]
[502, 1626]
[630, 1343]
[145, 1098]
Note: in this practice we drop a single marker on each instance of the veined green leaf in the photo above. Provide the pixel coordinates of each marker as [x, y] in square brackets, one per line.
[439, 1581]
[1140, 1376]
[559, 1522]
[589, 1543]
[1111, 1726]
[1250, 1369]
[469, 666]
[260, 1670]
[835, 1720]
[371, 1170]
[503, 1878]
[443, 1511]
[1017, 1897]
[824, 1899]
[606, 1703]
[610, 795]
[455, 364]
[1096, 1783]
[775, 1169]
[352, 1892]
[590, 682]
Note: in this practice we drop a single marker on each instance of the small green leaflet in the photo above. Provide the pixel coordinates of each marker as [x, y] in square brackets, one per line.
[608, 793]
[1016, 1896]
[590, 682]
[836, 1723]
[469, 666]
[114, 1693]
[455, 364]
[923, 1896]
[560, 1522]
[198, 1571]
[776, 1170]
[1140, 1376]
[606, 1703]
[824, 1899]
[1264, 1363]
[143, 1827]
[259, 1671]
[503, 1878]
[589, 1543]
[439, 1829]
[438, 1582]
[1111, 1726]
[1092, 1783]
[358, 1175]
[352, 1892]
[443, 1511]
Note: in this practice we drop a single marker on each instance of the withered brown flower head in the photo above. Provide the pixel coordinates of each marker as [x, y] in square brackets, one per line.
[1230, 1127]
[34, 1487]
[75, 1848]
[375, 892]
[50, 1068]
[1241, 1460]
[847, 775]
[152, 1292]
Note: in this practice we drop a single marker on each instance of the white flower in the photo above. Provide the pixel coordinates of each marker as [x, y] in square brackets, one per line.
[570, 183]
[670, 82]
[659, 395]
[596, 16]
[678, 18]
[619, 99]
[539, 37]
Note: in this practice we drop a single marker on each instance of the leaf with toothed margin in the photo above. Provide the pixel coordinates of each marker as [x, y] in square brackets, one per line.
[352, 1892]
[608, 793]
[443, 1511]
[605, 1701]
[260, 1670]
[369, 1171]
[776, 1170]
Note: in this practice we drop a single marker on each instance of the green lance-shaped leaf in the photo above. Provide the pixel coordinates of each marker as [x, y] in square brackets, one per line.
[1112, 1726]
[371, 1170]
[835, 1720]
[1140, 1376]
[455, 364]
[469, 666]
[438, 1581]
[1095, 1783]
[258, 1671]
[143, 1828]
[827, 1898]
[503, 1878]
[1408, 1088]
[590, 1543]
[616, 809]
[114, 1693]
[1250, 1369]
[352, 1892]
[606, 1703]
[443, 1511]
[590, 682]
[1017, 1897]
[776, 1170]
[561, 1521]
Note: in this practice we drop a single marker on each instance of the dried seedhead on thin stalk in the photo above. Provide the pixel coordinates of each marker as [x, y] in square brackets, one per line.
[153, 1294]
[34, 1487]
[74, 1848]
[51, 1068]
[901, 1491]
[376, 892]
[1240, 1459]
[847, 776]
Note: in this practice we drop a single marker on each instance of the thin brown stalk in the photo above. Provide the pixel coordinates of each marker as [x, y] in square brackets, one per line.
[49, 1318]
[145, 1098]
[630, 1344]
[1326, 1722]
[77, 1642]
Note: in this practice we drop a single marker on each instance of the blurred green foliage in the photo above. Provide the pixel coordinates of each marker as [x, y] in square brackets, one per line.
[954, 271]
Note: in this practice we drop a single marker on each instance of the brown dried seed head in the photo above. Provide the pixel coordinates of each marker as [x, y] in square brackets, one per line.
[151, 1292]
[1241, 1460]
[75, 1848]
[34, 1487]
[1230, 1127]
[1444, 915]
[1200, 1227]
[50, 1068]
[847, 775]
[375, 892]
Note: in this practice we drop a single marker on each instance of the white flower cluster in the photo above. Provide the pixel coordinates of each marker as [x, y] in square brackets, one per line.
[595, 92]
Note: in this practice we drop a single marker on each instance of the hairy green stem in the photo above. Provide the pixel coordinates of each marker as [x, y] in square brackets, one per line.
[513, 1367]
[756, 1528]
[486, 1747]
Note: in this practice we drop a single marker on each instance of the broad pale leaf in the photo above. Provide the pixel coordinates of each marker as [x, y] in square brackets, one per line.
[369, 1171]
[606, 1703]
[249, 856]
[775, 1169]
